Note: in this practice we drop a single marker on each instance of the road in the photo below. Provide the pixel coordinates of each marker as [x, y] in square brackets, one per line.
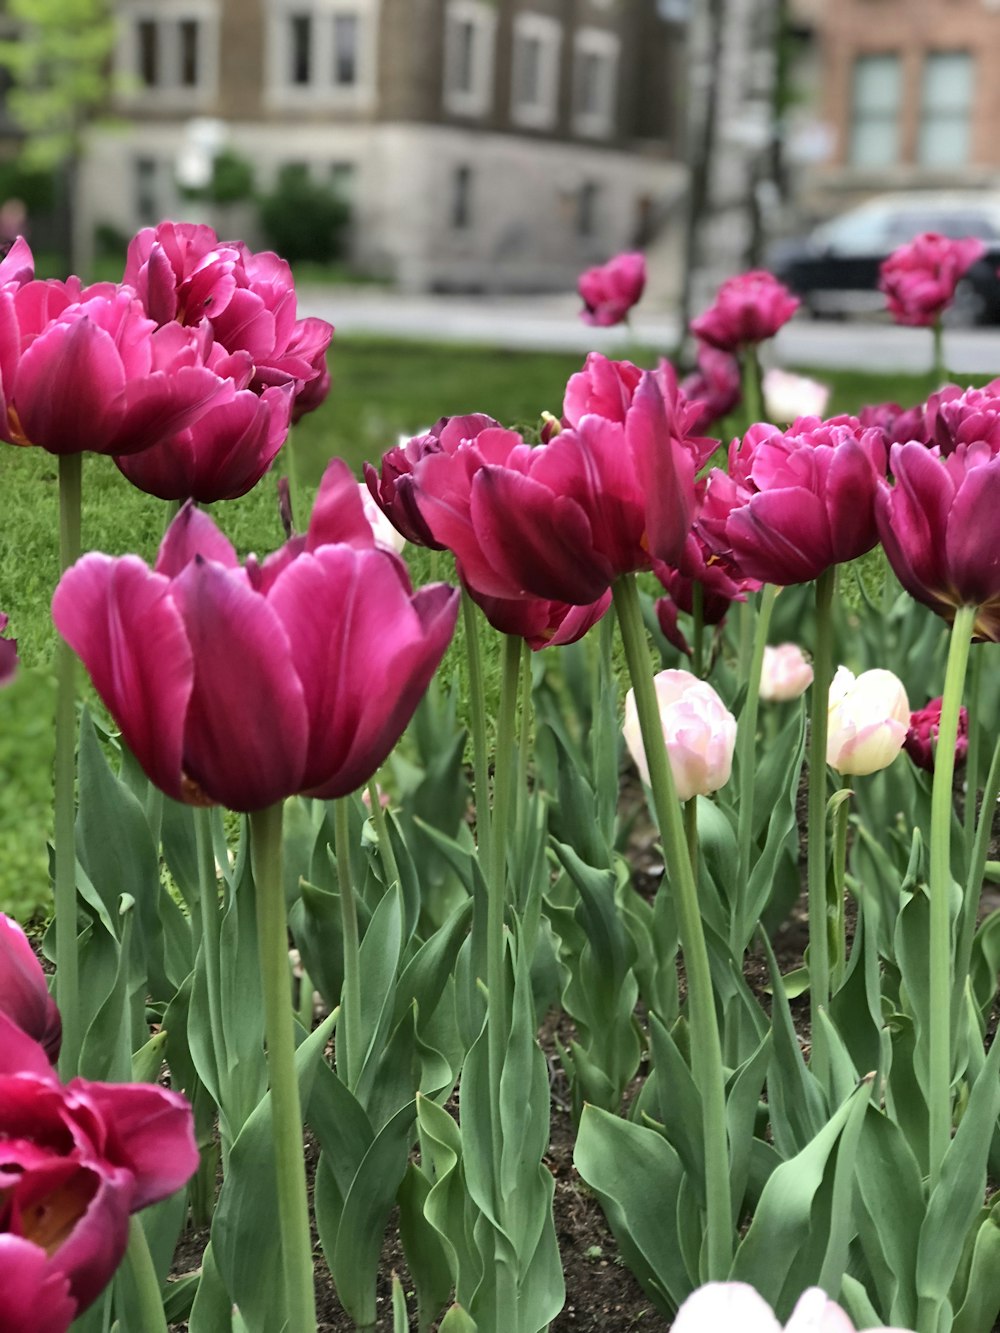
[552, 323]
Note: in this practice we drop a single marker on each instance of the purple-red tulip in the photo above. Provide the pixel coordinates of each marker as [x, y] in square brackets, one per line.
[564, 520]
[8, 654]
[610, 290]
[86, 369]
[715, 386]
[393, 488]
[748, 309]
[796, 502]
[897, 424]
[327, 632]
[183, 273]
[937, 525]
[921, 739]
[24, 993]
[75, 1161]
[955, 416]
[919, 279]
[220, 457]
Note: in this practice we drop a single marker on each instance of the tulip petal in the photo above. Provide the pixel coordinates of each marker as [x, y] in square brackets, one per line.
[165, 402]
[815, 1313]
[781, 536]
[664, 469]
[69, 388]
[725, 1305]
[34, 1293]
[849, 496]
[338, 514]
[246, 730]
[913, 521]
[24, 992]
[190, 534]
[96, 1244]
[973, 554]
[120, 619]
[20, 1053]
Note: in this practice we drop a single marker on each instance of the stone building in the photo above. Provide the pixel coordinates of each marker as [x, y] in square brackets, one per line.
[482, 144]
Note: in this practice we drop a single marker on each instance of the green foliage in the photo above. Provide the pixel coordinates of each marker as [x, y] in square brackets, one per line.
[303, 219]
[232, 180]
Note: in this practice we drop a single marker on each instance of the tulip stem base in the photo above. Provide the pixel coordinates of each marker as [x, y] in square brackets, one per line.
[139, 1263]
[349, 1031]
[286, 1108]
[477, 722]
[819, 936]
[747, 741]
[389, 867]
[940, 943]
[839, 909]
[706, 1050]
[67, 964]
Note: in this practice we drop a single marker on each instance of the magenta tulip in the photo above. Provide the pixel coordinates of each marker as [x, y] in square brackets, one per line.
[8, 654]
[563, 521]
[18, 265]
[85, 369]
[897, 424]
[715, 385]
[220, 457]
[955, 416]
[748, 309]
[921, 739]
[75, 1161]
[937, 527]
[919, 279]
[799, 501]
[610, 290]
[327, 631]
[720, 582]
[24, 993]
[392, 486]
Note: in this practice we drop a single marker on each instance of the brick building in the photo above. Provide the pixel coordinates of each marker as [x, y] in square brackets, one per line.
[481, 143]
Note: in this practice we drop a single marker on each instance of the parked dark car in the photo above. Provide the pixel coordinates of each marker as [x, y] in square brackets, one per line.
[835, 268]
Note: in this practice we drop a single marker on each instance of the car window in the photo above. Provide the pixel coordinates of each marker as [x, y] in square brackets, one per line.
[947, 222]
[855, 233]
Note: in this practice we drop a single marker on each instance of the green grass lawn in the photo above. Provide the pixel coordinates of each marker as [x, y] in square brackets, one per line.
[382, 389]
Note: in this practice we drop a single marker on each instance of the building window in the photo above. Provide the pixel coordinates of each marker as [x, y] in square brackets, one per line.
[147, 196]
[189, 52]
[595, 81]
[300, 49]
[877, 86]
[345, 50]
[461, 198]
[170, 55]
[945, 109]
[534, 94]
[586, 210]
[469, 38]
[148, 38]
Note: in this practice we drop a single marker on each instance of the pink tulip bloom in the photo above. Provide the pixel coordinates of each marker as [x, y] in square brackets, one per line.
[715, 386]
[75, 1161]
[8, 654]
[919, 279]
[611, 290]
[24, 992]
[868, 719]
[541, 623]
[220, 457]
[18, 265]
[796, 502]
[937, 524]
[955, 416]
[922, 737]
[721, 585]
[896, 423]
[748, 309]
[327, 631]
[698, 728]
[384, 533]
[785, 673]
[86, 369]
[719, 1306]
[393, 487]
[563, 521]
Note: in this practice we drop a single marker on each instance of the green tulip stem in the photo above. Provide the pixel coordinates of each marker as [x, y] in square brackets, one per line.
[286, 1109]
[940, 957]
[349, 1029]
[706, 1051]
[753, 393]
[977, 867]
[938, 370]
[840, 822]
[524, 738]
[747, 742]
[819, 938]
[691, 833]
[67, 963]
[139, 1263]
[697, 629]
[209, 927]
[389, 866]
[477, 722]
[972, 758]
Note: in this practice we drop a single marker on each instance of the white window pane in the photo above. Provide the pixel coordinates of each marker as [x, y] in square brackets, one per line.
[945, 108]
[876, 83]
[345, 49]
[875, 111]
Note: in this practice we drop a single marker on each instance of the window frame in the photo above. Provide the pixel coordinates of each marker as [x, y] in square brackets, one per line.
[480, 19]
[604, 46]
[547, 33]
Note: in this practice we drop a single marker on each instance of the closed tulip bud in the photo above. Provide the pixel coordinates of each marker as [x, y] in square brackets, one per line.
[869, 717]
[24, 993]
[611, 290]
[921, 739]
[785, 673]
[719, 1305]
[8, 654]
[698, 728]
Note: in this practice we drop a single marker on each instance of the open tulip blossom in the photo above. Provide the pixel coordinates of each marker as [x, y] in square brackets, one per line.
[699, 730]
[735, 1307]
[919, 279]
[868, 720]
[748, 309]
[611, 290]
[327, 630]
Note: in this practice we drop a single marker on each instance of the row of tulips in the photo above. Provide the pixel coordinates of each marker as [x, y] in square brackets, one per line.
[436, 954]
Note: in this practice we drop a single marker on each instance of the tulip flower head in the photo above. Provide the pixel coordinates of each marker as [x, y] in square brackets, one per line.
[24, 993]
[328, 630]
[785, 673]
[868, 718]
[921, 739]
[611, 290]
[748, 309]
[955, 416]
[8, 654]
[919, 279]
[735, 1307]
[715, 385]
[788, 397]
[386, 536]
[698, 728]
[75, 1161]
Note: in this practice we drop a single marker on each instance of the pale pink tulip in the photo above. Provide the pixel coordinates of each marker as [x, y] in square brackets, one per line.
[722, 1307]
[869, 717]
[698, 728]
[785, 674]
